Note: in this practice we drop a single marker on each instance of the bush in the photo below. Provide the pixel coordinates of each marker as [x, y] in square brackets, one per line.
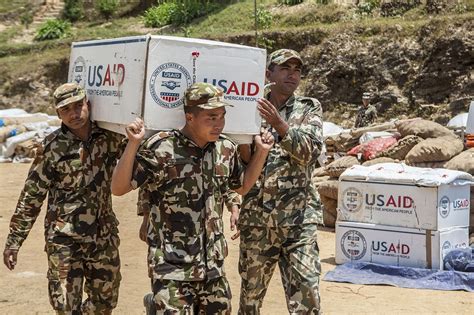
[160, 15]
[366, 7]
[73, 10]
[107, 8]
[53, 29]
[290, 2]
[264, 18]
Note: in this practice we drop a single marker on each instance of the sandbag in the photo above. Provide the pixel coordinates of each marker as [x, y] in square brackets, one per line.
[320, 172]
[400, 149]
[337, 167]
[328, 188]
[10, 131]
[422, 128]
[357, 133]
[434, 150]
[372, 148]
[343, 141]
[379, 160]
[462, 162]
[432, 164]
[329, 207]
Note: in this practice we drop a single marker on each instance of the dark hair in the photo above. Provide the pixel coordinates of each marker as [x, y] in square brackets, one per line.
[195, 110]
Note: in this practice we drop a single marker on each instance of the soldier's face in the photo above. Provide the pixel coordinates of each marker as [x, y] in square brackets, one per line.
[207, 124]
[287, 77]
[365, 101]
[75, 115]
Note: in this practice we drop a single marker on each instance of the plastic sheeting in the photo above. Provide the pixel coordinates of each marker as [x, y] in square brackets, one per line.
[403, 277]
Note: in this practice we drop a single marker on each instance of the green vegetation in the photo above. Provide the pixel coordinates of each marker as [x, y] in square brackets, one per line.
[7, 6]
[107, 8]
[53, 29]
[213, 20]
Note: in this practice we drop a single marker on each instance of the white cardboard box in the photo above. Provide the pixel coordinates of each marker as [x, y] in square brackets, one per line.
[147, 75]
[396, 246]
[373, 199]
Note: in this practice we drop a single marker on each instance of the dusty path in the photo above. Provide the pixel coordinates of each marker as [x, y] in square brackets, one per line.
[24, 291]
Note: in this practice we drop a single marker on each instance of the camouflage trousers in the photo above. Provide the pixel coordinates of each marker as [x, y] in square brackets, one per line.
[192, 297]
[94, 266]
[296, 251]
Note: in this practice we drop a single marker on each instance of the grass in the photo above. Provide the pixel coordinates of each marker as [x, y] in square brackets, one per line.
[7, 6]
[231, 20]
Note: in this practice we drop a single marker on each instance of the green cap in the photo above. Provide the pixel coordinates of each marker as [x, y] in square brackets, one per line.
[205, 96]
[68, 93]
[281, 56]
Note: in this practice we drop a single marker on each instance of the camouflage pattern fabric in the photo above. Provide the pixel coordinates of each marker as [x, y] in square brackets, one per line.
[187, 189]
[284, 195]
[79, 223]
[365, 116]
[296, 251]
[194, 297]
[279, 216]
[77, 175]
[280, 56]
[205, 96]
[70, 262]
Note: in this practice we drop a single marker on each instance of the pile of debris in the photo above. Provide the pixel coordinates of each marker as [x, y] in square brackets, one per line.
[414, 142]
[21, 133]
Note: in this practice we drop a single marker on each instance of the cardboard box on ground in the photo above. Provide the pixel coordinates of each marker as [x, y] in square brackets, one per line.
[146, 76]
[400, 215]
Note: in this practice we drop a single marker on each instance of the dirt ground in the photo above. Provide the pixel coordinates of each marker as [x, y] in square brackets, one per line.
[24, 291]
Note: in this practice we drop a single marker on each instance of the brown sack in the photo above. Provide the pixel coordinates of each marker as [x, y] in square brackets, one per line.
[434, 150]
[336, 168]
[400, 149]
[422, 128]
[379, 160]
[329, 211]
[328, 188]
[433, 164]
[357, 133]
[320, 172]
[462, 162]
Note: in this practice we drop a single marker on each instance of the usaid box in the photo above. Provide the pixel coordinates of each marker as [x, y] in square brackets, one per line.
[147, 76]
[396, 246]
[399, 195]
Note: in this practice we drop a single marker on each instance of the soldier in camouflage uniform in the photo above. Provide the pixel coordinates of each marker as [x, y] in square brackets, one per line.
[280, 213]
[188, 174]
[366, 114]
[74, 168]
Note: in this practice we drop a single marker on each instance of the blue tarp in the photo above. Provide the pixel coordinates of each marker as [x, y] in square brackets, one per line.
[404, 277]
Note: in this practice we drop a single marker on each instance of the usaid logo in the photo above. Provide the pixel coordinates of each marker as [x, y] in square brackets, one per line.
[168, 84]
[78, 72]
[351, 199]
[353, 245]
[444, 207]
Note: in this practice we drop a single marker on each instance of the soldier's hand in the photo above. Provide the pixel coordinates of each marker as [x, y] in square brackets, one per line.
[269, 112]
[135, 130]
[234, 217]
[265, 140]
[10, 257]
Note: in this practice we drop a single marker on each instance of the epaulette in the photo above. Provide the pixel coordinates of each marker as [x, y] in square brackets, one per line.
[50, 138]
[158, 137]
[225, 137]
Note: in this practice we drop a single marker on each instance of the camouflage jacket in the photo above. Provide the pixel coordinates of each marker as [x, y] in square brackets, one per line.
[76, 176]
[284, 195]
[365, 116]
[187, 187]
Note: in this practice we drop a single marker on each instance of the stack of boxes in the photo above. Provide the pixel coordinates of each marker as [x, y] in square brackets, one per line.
[393, 214]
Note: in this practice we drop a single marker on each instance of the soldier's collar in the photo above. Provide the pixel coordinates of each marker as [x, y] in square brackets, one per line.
[188, 141]
[68, 133]
[289, 102]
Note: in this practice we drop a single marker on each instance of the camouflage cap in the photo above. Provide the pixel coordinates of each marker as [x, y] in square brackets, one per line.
[205, 96]
[366, 95]
[280, 56]
[68, 93]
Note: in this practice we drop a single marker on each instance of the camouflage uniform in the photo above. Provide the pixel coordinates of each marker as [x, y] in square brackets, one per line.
[80, 226]
[279, 215]
[187, 187]
[365, 116]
